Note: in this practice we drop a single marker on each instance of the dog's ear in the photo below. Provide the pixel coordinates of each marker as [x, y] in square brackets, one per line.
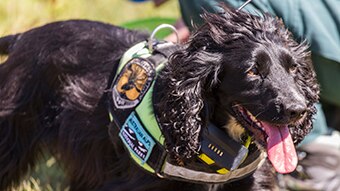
[190, 75]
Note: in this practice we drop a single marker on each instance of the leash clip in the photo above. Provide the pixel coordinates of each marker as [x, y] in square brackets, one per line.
[154, 32]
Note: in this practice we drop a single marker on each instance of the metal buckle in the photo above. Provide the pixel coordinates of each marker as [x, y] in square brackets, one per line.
[154, 32]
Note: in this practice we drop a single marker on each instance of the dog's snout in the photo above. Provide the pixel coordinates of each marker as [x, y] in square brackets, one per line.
[295, 111]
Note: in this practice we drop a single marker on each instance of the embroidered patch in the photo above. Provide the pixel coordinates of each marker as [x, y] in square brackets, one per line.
[136, 139]
[132, 83]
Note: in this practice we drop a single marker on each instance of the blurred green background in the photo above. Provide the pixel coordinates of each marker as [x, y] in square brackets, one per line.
[20, 15]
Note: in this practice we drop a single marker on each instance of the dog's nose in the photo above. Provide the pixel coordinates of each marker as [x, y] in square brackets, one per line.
[295, 111]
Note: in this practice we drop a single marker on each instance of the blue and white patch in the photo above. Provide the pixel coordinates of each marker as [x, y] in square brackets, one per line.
[136, 139]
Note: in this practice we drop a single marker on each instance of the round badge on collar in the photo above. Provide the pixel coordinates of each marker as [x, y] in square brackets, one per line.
[132, 83]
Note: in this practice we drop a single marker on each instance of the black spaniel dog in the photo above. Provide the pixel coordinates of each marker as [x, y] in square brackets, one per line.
[240, 75]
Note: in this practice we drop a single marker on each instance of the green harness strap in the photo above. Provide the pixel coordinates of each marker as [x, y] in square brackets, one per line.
[147, 115]
[144, 109]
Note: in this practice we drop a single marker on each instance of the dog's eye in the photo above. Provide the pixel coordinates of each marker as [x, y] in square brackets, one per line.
[253, 71]
[293, 68]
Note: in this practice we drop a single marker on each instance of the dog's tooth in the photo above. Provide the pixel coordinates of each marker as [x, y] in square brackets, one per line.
[252, 117]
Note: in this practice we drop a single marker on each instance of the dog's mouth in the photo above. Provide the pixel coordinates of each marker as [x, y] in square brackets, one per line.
[275, 138]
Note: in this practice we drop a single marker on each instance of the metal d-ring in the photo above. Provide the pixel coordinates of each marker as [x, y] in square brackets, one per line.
[162, 26]
[243, 5]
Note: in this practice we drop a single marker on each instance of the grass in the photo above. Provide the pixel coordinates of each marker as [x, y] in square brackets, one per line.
[20, 15]
[46, 176]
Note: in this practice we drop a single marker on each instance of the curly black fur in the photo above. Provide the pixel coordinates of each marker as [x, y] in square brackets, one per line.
[53, 97]
[190, 77]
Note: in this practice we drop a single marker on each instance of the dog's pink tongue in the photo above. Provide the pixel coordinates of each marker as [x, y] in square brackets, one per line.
[280, 148]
